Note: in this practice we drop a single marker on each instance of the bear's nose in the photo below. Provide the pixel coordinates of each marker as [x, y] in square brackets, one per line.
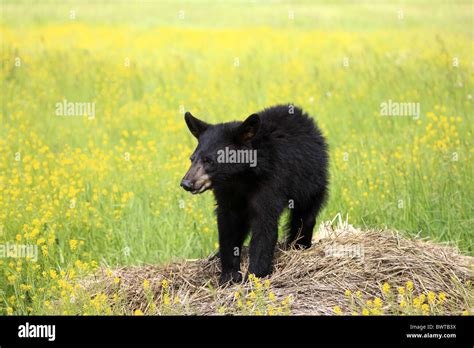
[187, 185]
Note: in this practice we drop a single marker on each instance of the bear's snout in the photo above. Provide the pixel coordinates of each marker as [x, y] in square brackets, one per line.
[196, 179]
[186, 184]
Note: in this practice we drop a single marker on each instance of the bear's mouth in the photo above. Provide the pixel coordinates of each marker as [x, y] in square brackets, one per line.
[206, 185]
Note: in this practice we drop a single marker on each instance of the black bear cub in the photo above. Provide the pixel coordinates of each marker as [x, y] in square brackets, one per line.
[273, 160]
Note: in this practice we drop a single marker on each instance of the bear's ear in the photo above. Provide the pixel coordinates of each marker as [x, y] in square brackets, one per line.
[247, 130]
[196, 127]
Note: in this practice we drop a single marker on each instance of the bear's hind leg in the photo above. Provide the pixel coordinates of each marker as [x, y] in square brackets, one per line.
[301, 224]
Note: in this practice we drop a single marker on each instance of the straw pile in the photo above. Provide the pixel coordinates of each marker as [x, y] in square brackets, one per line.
[342, 258]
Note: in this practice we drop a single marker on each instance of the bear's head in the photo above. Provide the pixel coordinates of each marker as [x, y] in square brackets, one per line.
[224, 152]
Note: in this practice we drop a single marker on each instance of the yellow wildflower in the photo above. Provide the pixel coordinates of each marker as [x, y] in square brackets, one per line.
[416, 302]
[73, 244]
[431, 297]
[146, 284]
[422, 298]
[378, 302]
[164, 283]
[441, 297]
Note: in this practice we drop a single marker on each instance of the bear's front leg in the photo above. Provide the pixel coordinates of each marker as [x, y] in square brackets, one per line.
[233, 227]
[262, 247]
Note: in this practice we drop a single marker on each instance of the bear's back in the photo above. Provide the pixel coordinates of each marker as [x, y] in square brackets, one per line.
[288, 123]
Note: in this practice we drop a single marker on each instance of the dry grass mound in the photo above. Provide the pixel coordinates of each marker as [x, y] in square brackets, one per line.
[343, 258]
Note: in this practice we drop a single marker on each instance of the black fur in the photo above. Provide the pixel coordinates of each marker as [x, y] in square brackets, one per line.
[292, 166]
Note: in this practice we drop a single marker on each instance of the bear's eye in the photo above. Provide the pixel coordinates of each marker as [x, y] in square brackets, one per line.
[207, 160]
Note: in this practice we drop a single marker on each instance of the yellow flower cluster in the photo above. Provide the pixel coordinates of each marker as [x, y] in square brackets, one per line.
[257, 299]
[399, 302]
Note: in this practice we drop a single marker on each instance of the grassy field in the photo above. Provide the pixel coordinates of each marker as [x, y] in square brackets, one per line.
[103, 189]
